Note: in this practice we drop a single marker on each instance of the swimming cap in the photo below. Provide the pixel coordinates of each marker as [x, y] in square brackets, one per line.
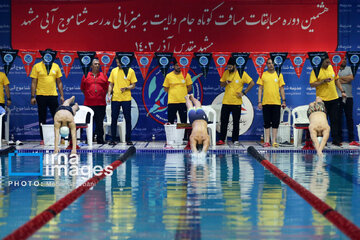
[64, 131]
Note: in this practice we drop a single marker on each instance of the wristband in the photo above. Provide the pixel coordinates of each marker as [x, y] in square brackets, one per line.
[342, 91]
[32, 96]
[243, 92]
[284, 100]
[9, 99]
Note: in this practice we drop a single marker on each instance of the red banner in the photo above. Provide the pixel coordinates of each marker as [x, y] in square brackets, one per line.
[259, 60]
[221, 59]
[144, 60]
[28, 58]
[184, 61]
[106, 59]
[206, 26]
[298, 60]
[66, 59]
[336, 58]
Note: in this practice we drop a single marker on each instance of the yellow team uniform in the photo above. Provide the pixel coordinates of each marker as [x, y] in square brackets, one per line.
[46, 84]
[3, 82]
[235, 87]
[271, 84]
[327, 90]
[118, 78]
[177, 87]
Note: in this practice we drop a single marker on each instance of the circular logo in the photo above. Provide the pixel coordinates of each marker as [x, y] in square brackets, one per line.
[105, 59]
[221, 61]
[298, 61]
[278, 60]
[144, 61]
[260, 61]
[316, 60]
[67, 59]
[240, 61]
[184, 61]
[8, 58]
[247, 114]
[336, 59]
[164, 61]
[354, 59]
[48, 58]
[203, 60]
[125, 60]
[28, 58]
[155, 99]
[86, 60]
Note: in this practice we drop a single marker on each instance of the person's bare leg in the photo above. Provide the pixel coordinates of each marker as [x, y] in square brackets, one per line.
[196, 102]
[274, 135]
[326, 134]
[267, 135]
[67, 102]
[189, 103]
[75, 108]
[313, 135]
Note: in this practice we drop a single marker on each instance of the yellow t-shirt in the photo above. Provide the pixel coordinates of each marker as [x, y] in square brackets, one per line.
[177, 87]
[235, 87]
[117, 77]
[3, 81]
[46, 84]
[271, 84]
[327, 90]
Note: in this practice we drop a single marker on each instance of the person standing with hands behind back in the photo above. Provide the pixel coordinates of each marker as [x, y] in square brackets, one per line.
[44, 86]
[269, 85]
[95, 87]
[120, 87]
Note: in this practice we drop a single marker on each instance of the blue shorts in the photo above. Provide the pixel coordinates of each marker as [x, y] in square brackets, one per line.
[197, 114]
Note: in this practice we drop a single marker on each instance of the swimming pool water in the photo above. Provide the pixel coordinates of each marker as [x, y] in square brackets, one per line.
[177, 196]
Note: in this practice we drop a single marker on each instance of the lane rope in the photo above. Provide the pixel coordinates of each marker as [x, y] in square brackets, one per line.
[343, 224]
[41, 219]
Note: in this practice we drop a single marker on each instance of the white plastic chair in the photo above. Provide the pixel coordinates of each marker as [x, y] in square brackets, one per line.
[121, 125]
[284, 126]
[80, 118]
[300, 118]
[7, 124]
[211, 114]
[1, 123]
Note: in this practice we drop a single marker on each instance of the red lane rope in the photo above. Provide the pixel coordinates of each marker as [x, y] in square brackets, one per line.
[41, 219]
[343, 224]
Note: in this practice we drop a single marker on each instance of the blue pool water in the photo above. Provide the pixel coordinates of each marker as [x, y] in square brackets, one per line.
[177, 196]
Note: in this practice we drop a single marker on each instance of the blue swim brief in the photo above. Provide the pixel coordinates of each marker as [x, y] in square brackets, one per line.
[197, 114]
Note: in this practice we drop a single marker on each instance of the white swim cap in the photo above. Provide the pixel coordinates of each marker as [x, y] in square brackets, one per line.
[319, 139]
[64, 131]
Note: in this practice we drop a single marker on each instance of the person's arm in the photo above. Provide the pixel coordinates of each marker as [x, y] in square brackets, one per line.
[7, 92]
[326, 134]
[128, 88]
[338, 85]
[223, 84]
[110, 89]
[56, 131]
[33, 90]
[249, 87]
[282, 93]
[60, 87]
[346, 79]
[261, 87]
[72, 126]
[189, 88]
[319, 82]
[193, 144]
[206, 144]
[166, 89]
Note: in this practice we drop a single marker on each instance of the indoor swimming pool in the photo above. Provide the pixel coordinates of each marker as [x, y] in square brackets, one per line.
[157, 195]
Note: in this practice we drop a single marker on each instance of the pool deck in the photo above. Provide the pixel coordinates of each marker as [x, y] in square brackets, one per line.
[163, 147]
